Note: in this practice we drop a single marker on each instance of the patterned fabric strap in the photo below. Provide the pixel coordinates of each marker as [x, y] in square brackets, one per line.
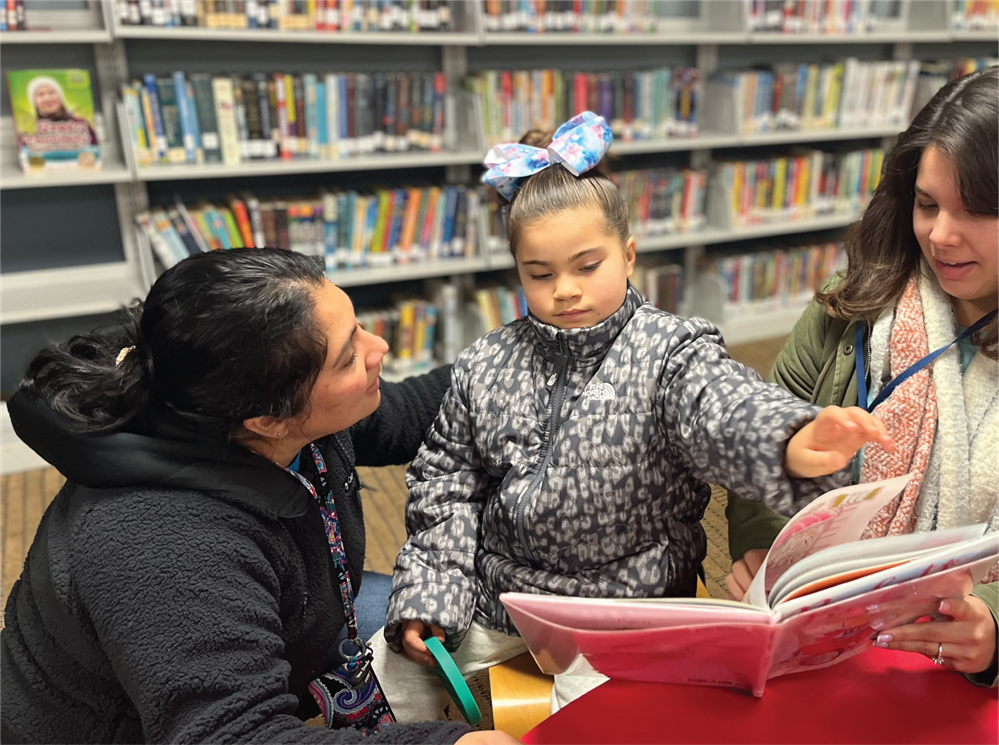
[328, 510]
[579, 144]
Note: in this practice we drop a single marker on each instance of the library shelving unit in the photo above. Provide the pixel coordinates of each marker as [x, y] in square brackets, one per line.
[704, 32]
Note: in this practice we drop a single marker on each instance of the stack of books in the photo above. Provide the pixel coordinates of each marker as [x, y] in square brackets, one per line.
[574, 16]
[802, 184]
[976, 15]
[793, 96]
[342, 16]
[232, 119]
[771, 278]
[12, 16]
[410, 327]
[643, 105]
[820, 16]
[664, 200]
[345, 229]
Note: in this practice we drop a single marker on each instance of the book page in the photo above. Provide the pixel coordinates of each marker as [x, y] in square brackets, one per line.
[836, 517]
[830, 565]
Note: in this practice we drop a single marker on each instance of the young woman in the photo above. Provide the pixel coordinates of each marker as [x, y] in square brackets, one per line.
[923, 267]
[184, 585]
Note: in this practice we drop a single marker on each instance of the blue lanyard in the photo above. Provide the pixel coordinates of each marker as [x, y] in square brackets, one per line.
[909, 371]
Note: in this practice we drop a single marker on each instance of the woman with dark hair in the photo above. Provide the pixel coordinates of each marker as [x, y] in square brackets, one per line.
[923, 267]
[190, 579]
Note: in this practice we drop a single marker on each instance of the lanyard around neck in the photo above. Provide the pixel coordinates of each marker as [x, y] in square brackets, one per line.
[910, 370]
[328, 510]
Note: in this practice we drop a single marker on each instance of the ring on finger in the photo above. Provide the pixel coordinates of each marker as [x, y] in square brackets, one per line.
[939, 659]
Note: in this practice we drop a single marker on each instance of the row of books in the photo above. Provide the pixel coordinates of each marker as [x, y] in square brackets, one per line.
[660, 284]
[793, 96]
[664, 200]
[497, 306]
[346, 229]
[820, 16]
[12, 16]
[644, 105]
[773, 277]
[801, 184]
[232, 119]
[935, 75]
[290, 15]
[574, 16]
[409, 327]
[976, 15]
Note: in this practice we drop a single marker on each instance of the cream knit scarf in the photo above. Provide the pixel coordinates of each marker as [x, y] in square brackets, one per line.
[945, 425]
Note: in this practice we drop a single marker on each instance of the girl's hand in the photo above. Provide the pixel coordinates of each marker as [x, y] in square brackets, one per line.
[968, 637]
[827, 443]
[743, 571]
[412, 641]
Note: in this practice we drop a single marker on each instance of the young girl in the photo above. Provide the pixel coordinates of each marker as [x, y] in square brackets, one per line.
[573, 451]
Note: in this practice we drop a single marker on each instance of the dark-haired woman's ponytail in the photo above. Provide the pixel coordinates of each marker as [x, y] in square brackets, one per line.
[101, 380]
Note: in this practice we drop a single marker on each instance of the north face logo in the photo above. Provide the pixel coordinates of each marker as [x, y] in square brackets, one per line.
[599, 392]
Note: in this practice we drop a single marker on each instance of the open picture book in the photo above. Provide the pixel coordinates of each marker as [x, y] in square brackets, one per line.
[813, 603]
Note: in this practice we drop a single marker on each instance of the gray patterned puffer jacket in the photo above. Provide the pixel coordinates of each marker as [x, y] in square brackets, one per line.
[576, 462]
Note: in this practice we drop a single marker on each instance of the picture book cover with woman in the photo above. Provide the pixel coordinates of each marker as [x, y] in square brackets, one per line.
[54, 117]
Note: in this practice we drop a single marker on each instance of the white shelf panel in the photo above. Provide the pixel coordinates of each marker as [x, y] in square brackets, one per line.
[553, 38]
[72, 291]
[714, 140]
[11, 177]
[878, 37]
[279, 167]
[305, 37]
[401, 272]
[759, 326]
[818, 135]
[992, 36]
[75, 36]
[723, 235]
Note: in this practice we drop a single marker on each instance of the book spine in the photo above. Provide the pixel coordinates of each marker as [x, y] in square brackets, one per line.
[225, 115]
[185, 115]
[204, 103]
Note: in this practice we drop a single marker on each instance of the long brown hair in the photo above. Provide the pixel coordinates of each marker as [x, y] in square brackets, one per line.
[961, 121]
[555, 190]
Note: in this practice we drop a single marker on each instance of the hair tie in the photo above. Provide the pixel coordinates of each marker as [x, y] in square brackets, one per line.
[123, 354]
[579, 144]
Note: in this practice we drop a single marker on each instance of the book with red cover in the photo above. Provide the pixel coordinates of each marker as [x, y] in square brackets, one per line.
[881, 696]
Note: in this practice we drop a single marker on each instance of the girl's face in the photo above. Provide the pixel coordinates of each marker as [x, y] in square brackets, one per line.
[47, 101]
[347, 389]
[574, 273]
[960, 246]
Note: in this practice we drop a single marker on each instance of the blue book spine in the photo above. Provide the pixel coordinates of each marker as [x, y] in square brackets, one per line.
[199, 153]
[154, 105]
[311, 114]
[185, 110]
[449, 215]
[342, 108]
[324, 140]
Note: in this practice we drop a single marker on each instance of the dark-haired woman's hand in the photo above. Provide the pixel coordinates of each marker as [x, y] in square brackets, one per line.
[413, 634]
[965, 642]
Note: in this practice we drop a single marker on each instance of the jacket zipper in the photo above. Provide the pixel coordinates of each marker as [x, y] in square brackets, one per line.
[554, 422]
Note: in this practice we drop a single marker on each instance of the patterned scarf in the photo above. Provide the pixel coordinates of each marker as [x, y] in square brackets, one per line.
[910, 414]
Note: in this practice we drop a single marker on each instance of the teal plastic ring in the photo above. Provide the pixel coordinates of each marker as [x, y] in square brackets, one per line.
[454, 682]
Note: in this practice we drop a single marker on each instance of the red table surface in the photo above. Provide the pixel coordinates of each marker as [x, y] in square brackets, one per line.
[878, 696]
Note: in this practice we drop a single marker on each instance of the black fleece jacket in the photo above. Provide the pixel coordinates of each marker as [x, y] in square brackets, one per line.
[182, 590]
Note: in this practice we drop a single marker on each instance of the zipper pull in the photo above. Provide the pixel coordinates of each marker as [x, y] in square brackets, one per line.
[552, 379]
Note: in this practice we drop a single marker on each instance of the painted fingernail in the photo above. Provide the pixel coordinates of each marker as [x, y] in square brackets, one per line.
[882, 640]
[878, 624]
[944, 606]
[872, 608]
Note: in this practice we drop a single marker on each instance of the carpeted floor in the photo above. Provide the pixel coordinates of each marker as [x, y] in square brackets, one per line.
[24, 497]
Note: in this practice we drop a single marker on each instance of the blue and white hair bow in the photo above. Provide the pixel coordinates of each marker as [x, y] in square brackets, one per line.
[579, 144]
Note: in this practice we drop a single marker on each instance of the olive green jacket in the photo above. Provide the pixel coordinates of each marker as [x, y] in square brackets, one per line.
[816, 364]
